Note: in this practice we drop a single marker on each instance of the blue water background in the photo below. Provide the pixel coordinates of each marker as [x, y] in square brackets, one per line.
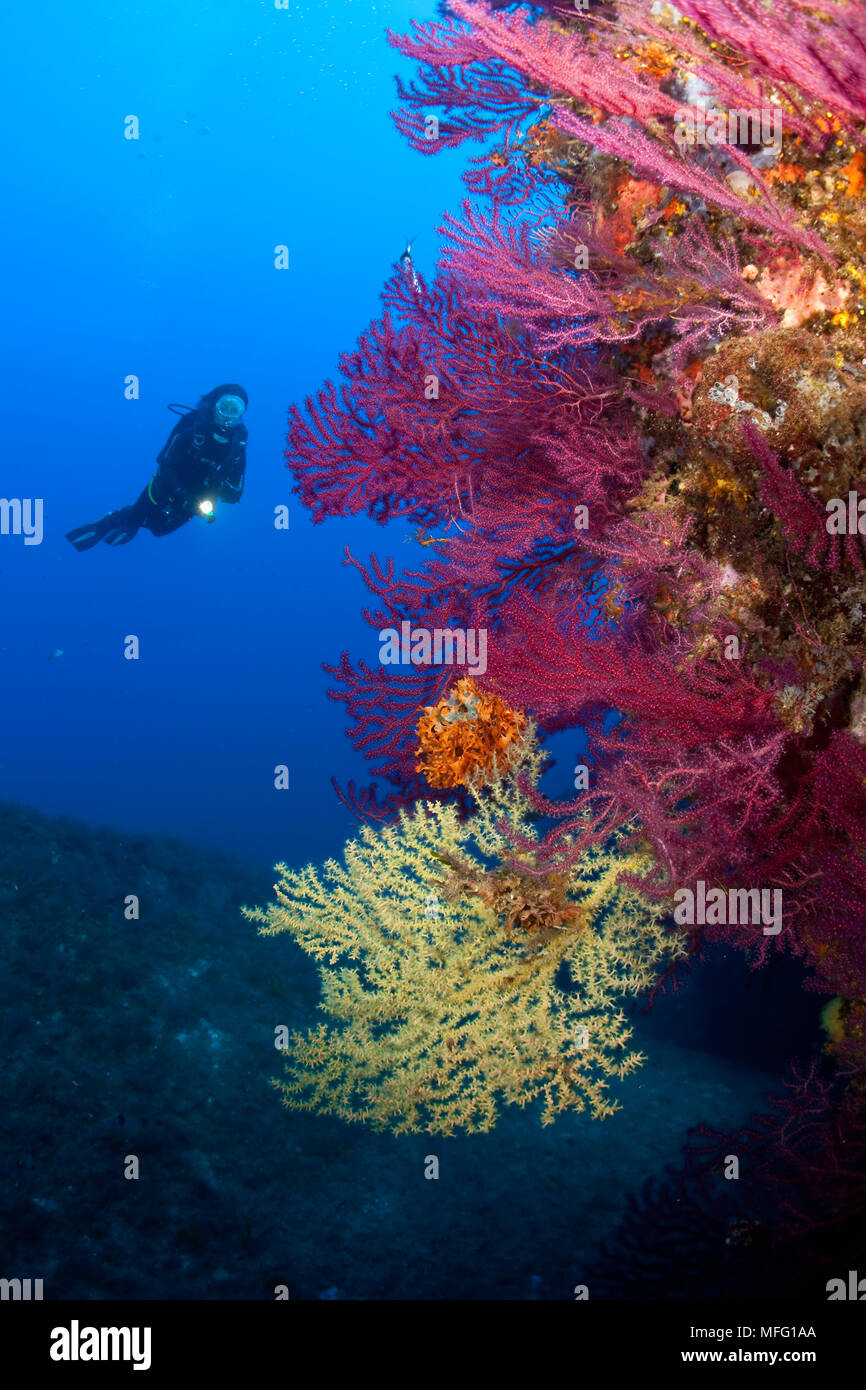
[155, 257]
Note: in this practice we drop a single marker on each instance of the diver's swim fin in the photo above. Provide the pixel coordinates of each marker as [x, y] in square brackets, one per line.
[121, 535]
[114, 529]
[84, 537]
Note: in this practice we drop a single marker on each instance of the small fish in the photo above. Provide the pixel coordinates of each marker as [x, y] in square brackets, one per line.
[406, 264]
[58, 652]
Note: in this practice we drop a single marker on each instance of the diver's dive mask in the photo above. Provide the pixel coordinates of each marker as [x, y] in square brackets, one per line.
[228, 411]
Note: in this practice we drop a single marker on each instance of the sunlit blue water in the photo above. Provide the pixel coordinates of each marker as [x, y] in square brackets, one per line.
[155, 258]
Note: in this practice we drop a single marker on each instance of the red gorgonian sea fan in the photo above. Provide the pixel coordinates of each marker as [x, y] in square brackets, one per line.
[616, 424]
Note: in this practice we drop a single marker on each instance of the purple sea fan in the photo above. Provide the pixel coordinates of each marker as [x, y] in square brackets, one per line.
[490, 98]
[382, 442]
[716, 301]
[578, 68]
[793, 42]
[652, 160]
[696, 288]
[803, 522]
[796, 1219]
[503, 270]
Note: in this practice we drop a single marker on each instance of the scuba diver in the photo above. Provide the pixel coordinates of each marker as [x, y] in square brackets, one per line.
[203, 461]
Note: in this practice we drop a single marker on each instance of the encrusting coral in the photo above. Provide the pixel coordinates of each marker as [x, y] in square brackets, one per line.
[454, 986]
[461, 737]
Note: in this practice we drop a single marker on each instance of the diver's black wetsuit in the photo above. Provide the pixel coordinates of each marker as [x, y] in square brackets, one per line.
[198, 461]
[202, 460]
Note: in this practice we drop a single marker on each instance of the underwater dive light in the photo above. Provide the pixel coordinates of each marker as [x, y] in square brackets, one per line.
[206, 508]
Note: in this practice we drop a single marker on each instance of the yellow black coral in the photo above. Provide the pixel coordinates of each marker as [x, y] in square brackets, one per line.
[440, 1011]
